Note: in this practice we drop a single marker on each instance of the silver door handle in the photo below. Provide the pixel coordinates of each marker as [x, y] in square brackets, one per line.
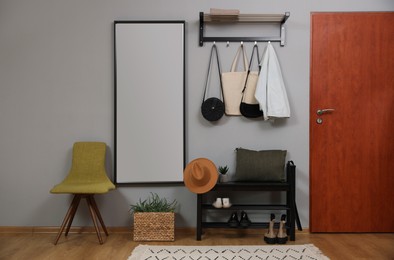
[322, 111]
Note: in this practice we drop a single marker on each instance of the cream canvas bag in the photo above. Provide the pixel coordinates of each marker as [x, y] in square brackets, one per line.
[233, 84]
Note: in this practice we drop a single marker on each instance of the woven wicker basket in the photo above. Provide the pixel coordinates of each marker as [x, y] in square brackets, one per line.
[154, 226]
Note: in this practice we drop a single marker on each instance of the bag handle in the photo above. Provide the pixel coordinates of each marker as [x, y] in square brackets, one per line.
[255, 47]
[235, 61]
[214, 48]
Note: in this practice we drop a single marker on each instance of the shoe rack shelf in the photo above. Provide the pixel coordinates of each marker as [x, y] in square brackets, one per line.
[248, 206]
[231, 187]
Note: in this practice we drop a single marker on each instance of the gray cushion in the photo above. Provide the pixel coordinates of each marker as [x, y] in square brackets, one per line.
[266, 165]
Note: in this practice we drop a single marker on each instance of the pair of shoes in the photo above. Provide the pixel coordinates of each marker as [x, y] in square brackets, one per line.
[222, 203]
[281, 236]
[234, 222]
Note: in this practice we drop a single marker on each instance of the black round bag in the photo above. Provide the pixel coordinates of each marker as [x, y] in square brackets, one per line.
[212, 109]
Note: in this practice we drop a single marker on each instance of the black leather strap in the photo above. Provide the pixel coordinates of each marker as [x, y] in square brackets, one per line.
[214, 48]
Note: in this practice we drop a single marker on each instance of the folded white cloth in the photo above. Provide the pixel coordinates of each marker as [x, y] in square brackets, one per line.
[216, 11]
[270, 90]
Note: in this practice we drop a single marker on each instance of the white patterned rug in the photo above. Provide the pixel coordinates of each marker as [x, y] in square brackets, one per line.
[291, 252]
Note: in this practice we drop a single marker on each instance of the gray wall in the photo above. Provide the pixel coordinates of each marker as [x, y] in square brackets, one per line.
[57, 87]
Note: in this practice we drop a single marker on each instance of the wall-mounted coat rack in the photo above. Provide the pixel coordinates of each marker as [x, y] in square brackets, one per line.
[279, 19]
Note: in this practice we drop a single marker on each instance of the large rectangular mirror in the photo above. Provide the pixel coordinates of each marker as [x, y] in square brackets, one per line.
[149, 101]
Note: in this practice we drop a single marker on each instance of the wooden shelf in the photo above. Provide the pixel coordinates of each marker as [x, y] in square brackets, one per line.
[246, 18]
[279, 19]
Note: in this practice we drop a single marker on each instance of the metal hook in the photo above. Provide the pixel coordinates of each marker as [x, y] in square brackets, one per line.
[255, 43]
[242, 43]
[214, 43]
[228, 44]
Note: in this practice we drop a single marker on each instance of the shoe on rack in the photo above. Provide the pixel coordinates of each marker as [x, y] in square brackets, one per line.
[270, 237]
[282, 235]
[233, 221]
[244, 222]
[226, 203]
[218, 203]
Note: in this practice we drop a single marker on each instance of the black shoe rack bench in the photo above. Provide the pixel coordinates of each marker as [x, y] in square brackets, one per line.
[230, 187]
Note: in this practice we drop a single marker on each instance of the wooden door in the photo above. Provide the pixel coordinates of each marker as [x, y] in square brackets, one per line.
[352, 149]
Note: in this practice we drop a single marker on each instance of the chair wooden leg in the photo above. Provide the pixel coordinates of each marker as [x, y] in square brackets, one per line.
[70, 215]
[93, 215]
[78, 199]
[93, 201]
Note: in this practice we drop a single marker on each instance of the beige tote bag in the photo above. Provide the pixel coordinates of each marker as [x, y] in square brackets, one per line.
[233, 84]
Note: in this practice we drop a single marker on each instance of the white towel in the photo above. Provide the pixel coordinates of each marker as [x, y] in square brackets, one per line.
[217, 11]
[270, 90]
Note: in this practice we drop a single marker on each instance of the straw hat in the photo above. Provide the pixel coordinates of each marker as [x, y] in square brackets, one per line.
[200, 175]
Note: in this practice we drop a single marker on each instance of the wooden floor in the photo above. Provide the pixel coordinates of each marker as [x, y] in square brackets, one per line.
[118, 245]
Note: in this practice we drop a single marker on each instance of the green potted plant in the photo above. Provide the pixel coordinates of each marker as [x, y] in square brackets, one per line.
[223, 177]
[154, 219]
